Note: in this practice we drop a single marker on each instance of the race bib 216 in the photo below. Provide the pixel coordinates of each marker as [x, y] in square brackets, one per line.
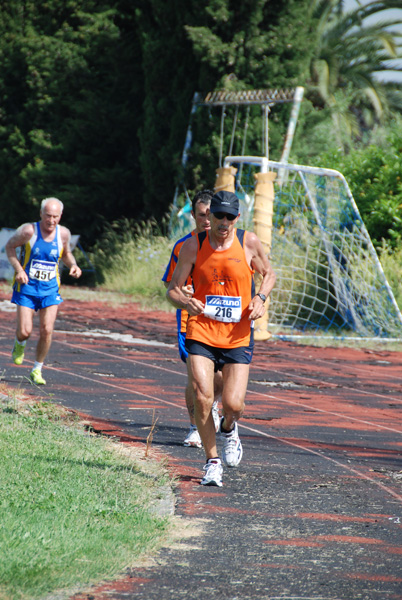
[223, 308]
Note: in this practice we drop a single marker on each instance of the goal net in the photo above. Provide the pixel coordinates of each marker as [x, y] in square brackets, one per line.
[329, 277]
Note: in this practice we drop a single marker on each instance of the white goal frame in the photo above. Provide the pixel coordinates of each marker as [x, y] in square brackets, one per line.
[359, 292]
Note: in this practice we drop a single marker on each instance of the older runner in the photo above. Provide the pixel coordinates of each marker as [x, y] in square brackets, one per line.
[37, 279]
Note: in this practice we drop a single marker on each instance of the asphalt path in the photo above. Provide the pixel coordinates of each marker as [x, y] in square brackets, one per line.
[314, 511]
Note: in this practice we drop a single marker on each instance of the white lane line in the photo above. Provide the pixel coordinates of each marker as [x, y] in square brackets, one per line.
[338, 365]
[320, 455]
[310, 407]
[127, 338]
[252, 429]
[328, 383]
[327, 412]
[264, 395]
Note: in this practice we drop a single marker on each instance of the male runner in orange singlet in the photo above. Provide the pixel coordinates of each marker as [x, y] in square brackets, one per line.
[200, 213]
[220, 327]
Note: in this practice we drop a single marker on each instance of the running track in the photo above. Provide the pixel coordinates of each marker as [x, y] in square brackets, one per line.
[315, 509]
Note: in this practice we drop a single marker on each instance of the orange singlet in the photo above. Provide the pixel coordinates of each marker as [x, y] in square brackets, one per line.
[223, 281]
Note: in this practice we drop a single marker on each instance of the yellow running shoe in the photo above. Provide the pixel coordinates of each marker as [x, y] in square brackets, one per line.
[18, 353]
[36, 377]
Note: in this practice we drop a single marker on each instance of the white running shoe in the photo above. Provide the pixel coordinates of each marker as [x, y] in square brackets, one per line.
[213, 472]
[193, 439]
[215, 414]
[232, 450]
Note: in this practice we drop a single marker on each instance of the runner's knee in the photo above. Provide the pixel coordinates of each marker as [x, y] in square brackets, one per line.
[23, 332]
[45, 331]
[233, 408]
[203, 404]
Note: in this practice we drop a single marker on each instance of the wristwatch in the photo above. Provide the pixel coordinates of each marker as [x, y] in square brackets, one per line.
[262, 296]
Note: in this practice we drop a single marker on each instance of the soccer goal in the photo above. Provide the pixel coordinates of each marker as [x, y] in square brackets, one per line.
[329, 277]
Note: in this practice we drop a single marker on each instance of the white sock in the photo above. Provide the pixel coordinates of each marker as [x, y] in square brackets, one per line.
[37, 365]
[20, 343]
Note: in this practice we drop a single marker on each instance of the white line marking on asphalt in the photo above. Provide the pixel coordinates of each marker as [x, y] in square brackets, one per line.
[127, 338]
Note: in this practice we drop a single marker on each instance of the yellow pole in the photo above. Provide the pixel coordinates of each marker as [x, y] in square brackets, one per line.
[225, 179]
[263, 211]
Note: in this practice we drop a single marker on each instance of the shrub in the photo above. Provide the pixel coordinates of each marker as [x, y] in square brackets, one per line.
[374, 175]
[131, 258]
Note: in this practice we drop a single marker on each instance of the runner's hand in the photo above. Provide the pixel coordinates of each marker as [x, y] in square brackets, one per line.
[75, 271]
[256, 308]
[21, 277]
[195, 307]
[188, 290]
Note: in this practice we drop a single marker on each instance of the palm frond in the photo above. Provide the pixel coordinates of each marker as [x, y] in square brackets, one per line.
[350, 55]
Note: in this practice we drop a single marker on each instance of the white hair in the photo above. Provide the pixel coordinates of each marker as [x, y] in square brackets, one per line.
[46, 200]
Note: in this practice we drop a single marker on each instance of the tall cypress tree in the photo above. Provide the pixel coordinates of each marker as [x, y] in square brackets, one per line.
[219, 44]
[68, 128]
[96, 96]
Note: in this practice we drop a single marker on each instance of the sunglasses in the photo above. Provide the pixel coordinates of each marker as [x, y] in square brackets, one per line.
[222, 215]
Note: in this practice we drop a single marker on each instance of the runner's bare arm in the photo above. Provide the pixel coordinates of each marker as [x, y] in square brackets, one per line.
[186, 289]
[68, 257]
[259, 261]
[175, 293]
[174, 257]
[20, 237]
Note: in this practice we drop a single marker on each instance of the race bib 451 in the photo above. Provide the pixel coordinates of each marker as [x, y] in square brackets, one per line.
[223, 308]
[42, 270]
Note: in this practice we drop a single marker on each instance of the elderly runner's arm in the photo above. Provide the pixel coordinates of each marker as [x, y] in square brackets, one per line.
[68, 257]
[20, 237]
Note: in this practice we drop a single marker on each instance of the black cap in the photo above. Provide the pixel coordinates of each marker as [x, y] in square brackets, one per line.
[226, 202]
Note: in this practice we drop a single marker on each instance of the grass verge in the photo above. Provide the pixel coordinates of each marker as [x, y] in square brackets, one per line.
[75, 508]
[132, 259]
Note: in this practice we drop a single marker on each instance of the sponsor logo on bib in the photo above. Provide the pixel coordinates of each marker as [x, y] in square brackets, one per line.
[223, 308]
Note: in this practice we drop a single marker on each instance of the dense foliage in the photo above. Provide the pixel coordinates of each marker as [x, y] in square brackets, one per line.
[347, 61]
[69, 83]
[96, 97]
[374, 175]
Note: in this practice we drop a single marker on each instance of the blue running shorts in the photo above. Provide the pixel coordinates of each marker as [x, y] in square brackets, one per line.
[35, 302]
[221, 356]
[181, 338]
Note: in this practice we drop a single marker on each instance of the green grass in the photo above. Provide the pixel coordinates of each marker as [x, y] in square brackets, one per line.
[132, 259]
[391, 261]
[73, 508]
